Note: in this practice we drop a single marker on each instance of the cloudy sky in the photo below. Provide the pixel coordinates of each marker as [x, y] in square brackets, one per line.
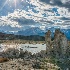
[18, 15]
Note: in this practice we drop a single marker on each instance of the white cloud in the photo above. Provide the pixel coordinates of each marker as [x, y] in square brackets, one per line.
[38, 17]
[64, 1]
[5, 21]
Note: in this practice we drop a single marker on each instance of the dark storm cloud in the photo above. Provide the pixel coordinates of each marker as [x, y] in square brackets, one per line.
[57, 3]
[64, 18]
[46, 21]
[24, 21]
[46, 1]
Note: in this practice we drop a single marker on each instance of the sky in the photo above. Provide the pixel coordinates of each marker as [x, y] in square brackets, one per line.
[17, 15]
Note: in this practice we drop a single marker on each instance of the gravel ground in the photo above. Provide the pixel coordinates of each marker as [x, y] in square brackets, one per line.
[14, 65]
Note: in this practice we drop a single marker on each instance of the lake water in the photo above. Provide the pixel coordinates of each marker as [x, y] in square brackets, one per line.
[33, 48]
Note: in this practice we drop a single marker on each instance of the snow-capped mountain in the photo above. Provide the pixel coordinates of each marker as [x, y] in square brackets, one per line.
[38, 31]
[31, 31]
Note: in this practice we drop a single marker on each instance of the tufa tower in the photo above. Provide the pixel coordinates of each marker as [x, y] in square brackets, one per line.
[58, 46]
[48, 41]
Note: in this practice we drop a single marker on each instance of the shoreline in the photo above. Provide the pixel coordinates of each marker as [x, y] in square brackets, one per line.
[21, 41]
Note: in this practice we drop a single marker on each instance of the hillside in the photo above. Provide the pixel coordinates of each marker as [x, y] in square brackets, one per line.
[4, 36]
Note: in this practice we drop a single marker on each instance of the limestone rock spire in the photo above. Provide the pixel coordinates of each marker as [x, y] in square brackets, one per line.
[58, 46]
[48, 40]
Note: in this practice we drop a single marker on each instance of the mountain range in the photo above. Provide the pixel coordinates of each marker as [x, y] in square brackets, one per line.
[31, 31]
[39, 32]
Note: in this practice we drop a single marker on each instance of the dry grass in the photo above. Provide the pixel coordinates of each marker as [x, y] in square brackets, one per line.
[21, 41]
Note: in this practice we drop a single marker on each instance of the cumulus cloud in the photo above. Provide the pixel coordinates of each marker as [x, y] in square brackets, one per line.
[60, 3]
[39, 13]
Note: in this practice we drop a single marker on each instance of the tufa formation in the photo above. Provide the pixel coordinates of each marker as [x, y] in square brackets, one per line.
[57, 47]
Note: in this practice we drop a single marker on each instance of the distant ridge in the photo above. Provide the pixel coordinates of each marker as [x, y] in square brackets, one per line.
[33, 33]
[4, 36]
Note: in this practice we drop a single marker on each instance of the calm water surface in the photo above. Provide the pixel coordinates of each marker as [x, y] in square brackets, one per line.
[33, 48]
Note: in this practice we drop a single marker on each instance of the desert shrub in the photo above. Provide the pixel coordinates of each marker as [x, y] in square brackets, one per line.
[11, 53]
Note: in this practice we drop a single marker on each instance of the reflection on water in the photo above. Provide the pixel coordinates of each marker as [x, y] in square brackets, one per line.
[34, 48]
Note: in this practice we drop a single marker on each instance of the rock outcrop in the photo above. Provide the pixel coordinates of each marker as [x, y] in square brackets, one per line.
[58, 46]
[48, 41]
